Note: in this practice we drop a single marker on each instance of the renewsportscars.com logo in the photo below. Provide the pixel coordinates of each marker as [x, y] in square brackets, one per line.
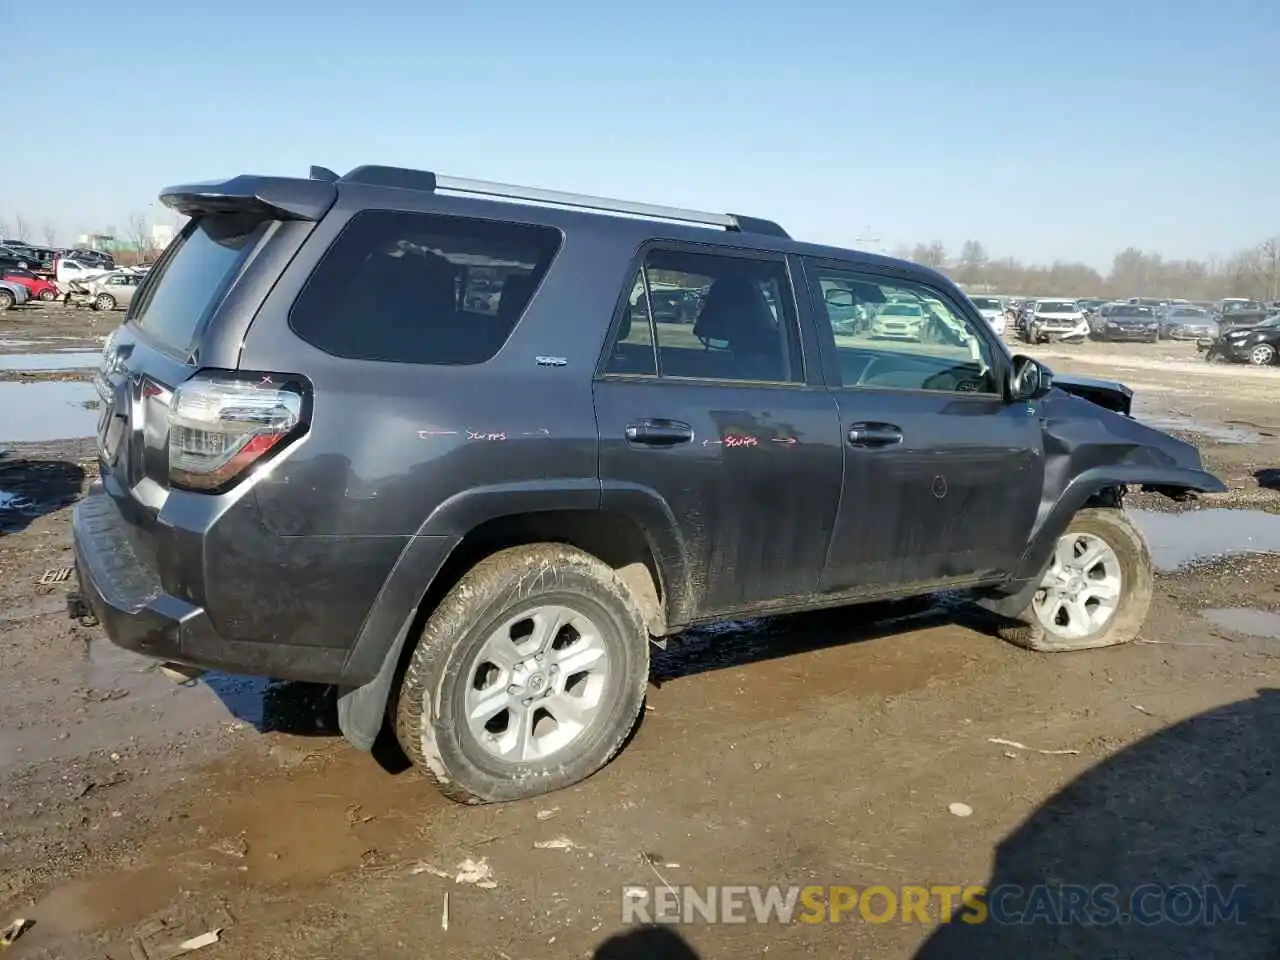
[1007, 904]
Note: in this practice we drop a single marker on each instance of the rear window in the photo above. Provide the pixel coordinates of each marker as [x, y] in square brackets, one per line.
[192, 276]
[422, 288]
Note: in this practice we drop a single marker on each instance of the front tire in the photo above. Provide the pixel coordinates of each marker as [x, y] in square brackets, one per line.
[1096, 592]
[104, 301]
[1263, 355]
[48, 296]
[527, 678]
[6, 300]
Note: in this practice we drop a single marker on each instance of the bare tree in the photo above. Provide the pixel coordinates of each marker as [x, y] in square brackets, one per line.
[50, 231]
[21, 226]
[139, 236]
[973, 262]
[932, 254]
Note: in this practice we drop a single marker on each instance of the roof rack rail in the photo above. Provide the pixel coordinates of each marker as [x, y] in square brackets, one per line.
[426, 180]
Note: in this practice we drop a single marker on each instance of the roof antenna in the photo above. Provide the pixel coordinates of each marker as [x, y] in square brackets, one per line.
[323, 173]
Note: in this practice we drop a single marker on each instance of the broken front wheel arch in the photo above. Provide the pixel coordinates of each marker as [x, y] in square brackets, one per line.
[1100, 487]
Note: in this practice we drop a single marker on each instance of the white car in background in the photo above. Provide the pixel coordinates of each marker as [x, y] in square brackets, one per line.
[67, 271]
[898, 320]
[1057, 320]
[992, 310]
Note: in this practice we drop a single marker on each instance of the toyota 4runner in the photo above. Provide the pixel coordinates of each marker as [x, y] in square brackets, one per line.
[436, 442]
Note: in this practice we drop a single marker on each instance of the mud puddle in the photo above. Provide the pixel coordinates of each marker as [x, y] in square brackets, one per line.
[47, 411]
[1179, 539]
[1260, 624]
[58, 360]
[127, 700]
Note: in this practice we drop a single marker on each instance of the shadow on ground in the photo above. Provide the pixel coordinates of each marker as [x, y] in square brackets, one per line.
[30, 488]
[1268, 477]
[1192, 807]
[645, 943]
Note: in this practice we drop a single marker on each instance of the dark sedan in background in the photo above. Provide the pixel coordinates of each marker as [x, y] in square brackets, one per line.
[1188, 323]
[1258, 344]
[1128, 322]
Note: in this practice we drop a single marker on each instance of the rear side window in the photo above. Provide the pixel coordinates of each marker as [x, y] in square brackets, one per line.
[192, 276]
[422, 288]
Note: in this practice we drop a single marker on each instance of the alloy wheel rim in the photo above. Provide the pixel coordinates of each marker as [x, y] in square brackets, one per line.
[537, 684]
[1081, 590]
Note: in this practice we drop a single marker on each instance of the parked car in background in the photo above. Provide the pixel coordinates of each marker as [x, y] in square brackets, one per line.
[97, 258]
[38, 287]
[1056, 320]
[1187, 323]
[992, 309]
[898, 321]
[1258, 344]
[12, 294]
[1127, 321]
[1237, 313]
[109, 291]
[67, 271]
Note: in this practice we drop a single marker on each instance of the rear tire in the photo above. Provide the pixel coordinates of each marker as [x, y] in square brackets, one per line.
[1124, 566]
[48, 296]
[6, 300]
[475, 694]
[104, 301]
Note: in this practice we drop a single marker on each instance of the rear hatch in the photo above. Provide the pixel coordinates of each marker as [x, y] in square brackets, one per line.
[181, 339]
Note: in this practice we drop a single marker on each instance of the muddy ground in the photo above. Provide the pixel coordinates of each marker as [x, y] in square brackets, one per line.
[821, 749]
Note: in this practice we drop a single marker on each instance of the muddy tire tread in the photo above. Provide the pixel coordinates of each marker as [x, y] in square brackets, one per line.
[495, 582]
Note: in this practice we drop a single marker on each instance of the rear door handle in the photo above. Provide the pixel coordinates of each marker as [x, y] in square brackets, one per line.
[659, 433]
[866, 435]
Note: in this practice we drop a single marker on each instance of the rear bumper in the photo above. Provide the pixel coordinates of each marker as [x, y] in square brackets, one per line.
[127, 597]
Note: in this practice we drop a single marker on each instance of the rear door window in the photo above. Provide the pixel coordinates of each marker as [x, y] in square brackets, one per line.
[190, 279]
[422, 288]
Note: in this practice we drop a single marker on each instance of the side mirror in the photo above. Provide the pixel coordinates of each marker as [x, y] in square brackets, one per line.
[1029, 379]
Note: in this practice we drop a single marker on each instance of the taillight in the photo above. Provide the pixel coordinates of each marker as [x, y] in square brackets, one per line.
[220, 425]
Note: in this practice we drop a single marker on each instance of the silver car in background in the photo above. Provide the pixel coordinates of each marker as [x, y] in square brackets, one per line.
[110, 291]
[1187, 323]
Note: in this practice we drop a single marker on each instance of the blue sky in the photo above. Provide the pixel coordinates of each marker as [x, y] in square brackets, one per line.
[1046, 131]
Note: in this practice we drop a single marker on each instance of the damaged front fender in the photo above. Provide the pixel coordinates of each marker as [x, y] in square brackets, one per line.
[1090, 450]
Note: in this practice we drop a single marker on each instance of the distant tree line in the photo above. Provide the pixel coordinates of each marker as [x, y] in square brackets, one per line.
[1254, 272]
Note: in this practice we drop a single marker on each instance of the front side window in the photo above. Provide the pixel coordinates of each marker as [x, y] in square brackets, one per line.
[422, 288]
[708, 317]
[898, 334]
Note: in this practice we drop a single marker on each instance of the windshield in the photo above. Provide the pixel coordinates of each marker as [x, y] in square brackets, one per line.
[1057, 306]
[900, 310]
[1240, 306]
[1188, 314]
[1131, 312]
[192, 276]
[987, 303]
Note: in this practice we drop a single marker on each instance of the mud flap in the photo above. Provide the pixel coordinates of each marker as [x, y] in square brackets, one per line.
[362, 710]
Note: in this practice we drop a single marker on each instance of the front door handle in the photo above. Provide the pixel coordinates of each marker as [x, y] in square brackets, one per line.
[659, 433]
[870, 435]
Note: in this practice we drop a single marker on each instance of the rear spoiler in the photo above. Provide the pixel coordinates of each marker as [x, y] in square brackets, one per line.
[281, 198]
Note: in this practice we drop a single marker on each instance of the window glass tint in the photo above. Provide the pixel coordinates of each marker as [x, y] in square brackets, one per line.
[711, 317]
[1057, 306]
[192, 276]
[420, 288]
[633, 343]
[901, 335]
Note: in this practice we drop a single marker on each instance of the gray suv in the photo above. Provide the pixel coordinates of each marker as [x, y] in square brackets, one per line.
[445, 445]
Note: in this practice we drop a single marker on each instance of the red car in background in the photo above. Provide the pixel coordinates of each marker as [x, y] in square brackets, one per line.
[40, 288]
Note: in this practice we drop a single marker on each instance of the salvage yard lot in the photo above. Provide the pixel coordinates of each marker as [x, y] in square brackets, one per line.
[823, 749]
